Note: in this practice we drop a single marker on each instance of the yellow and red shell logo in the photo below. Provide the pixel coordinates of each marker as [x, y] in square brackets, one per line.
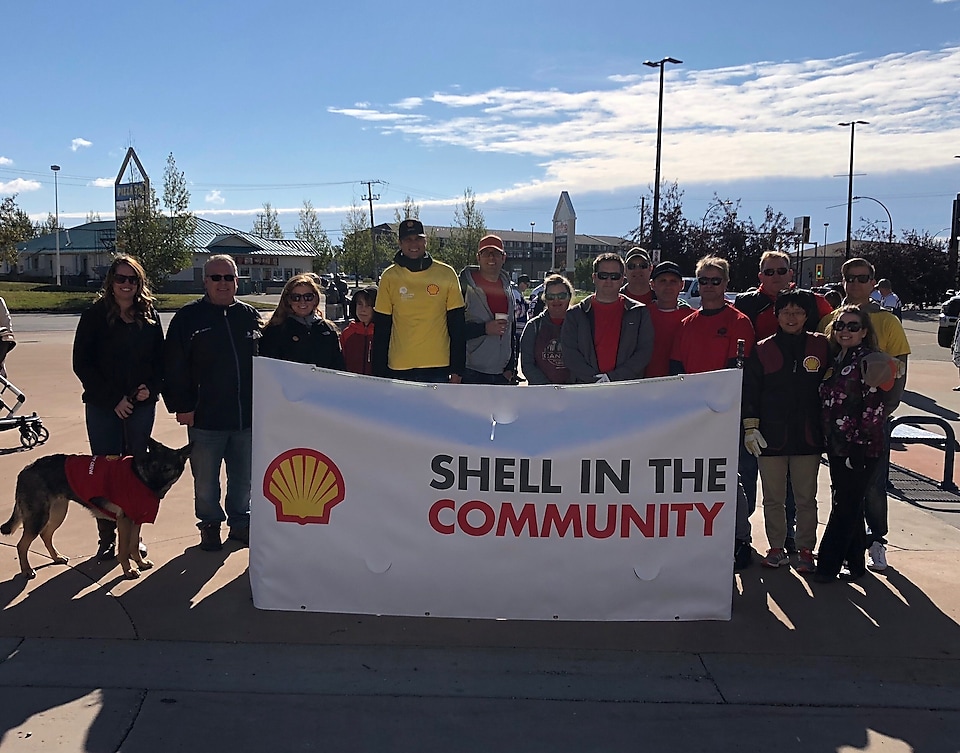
[304, 486]
[433, 289]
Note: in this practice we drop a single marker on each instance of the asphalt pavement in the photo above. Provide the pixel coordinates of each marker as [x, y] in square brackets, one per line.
[181, 660]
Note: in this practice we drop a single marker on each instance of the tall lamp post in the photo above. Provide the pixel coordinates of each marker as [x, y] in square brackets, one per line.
[889, 218]
[853, 127]
[56, 206]
[655, 232]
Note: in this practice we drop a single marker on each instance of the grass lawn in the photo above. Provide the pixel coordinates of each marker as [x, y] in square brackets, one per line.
[32, 297]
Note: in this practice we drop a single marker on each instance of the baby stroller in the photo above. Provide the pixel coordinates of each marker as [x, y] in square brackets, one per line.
[32, 430]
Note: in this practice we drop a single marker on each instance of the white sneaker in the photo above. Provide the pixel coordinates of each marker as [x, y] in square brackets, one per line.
[877, 559]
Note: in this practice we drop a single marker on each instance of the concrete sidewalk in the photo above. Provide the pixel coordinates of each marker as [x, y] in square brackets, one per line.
[181, 660]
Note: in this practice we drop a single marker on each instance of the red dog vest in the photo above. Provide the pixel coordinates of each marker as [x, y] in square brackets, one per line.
[112, 478]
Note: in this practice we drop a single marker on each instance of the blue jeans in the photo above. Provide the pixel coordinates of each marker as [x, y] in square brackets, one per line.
[111, 435]
[211, 450]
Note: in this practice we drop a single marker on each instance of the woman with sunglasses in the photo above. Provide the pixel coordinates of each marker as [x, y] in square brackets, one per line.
[296, 332]
[118, 356]
[853, 424]
[541, 355]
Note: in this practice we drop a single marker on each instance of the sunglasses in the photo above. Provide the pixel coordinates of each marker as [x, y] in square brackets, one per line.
[556, 296]
[778, 271]
[858, 278]
[710, 281]
[132, 279]
[297, 297]
[609, 275]
[217, 278]
[840, 326]
[642, 265]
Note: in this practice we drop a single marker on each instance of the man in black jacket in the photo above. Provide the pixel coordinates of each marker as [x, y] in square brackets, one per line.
[209, 385]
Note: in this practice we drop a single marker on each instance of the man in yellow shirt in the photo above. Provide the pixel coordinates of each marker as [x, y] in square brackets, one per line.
[419, 334]
[858, 283]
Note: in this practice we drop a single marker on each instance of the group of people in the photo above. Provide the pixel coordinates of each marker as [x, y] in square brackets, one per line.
[815, 379]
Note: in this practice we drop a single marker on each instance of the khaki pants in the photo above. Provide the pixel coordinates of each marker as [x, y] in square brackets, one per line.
[773, 479]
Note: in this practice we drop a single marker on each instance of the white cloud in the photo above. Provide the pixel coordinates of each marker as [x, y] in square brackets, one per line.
[6, 161]
[19, 185]
[409, 103]
[762, 120]
[214, 197]
[78, 143]
[104, 182]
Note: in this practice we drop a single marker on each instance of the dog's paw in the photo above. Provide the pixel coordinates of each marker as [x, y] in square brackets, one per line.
[61, 559]
[29, 574]
[131, 574]
[145, 564]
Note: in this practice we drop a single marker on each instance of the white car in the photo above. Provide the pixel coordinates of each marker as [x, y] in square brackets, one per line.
[691, 293]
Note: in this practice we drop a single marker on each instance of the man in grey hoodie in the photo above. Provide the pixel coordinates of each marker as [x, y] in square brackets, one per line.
[491, 317]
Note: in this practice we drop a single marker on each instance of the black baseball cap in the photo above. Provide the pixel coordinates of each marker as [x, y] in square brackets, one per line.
[411, 227]
[666, 268]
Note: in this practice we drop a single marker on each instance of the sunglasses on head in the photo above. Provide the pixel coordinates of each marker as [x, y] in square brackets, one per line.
[562, 296]
[218, 278]
[638, 265]
[132, 279]
[858, 278]
[297, 297]
[710, 281]
[778, 271]
[609, 275]
[840, 326]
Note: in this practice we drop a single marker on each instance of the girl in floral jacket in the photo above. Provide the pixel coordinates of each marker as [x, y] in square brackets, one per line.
[853, 424]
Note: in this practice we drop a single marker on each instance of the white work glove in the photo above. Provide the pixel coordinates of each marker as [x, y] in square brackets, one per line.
[601, 378]
[752, 438]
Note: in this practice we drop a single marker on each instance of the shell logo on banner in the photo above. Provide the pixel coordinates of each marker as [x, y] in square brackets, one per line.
[304, 486]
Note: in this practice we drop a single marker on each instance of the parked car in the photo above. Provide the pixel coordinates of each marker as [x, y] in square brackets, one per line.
[947, 323]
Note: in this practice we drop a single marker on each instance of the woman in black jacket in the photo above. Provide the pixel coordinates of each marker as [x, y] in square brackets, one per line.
[296, 332]
[118, 357]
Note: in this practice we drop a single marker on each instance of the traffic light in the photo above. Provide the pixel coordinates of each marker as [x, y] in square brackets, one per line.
[819, 271]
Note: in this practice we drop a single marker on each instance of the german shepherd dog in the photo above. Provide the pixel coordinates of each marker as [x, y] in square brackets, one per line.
[131, 497]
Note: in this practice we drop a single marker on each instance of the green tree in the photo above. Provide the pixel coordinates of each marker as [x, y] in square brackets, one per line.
[15, 227]
[410, 210]
[267, 223]
[356, 258]
[93, 216]
[916, 264]
[469, 228]
[49, 225]
[162, 242]
[311, 230]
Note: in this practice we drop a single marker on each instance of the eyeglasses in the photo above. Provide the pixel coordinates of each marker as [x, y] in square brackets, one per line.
[642, 265]
[609, 275]
[492, 252]
[217, 278]
[840, 326]
[297, 297]
[778, 271]
[710, 281]
[858, 278]
[562, 296]
[132, 279]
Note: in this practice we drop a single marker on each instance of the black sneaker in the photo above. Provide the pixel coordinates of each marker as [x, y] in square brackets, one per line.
[107, 551]
[210, 537]
[240, 534]
[742, 555]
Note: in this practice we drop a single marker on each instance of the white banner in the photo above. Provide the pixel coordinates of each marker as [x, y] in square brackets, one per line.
[599, 502]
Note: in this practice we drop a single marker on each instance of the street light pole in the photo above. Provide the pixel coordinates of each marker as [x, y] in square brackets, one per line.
[853, 126]
[889, 218]
[56, 206]
[655, 231]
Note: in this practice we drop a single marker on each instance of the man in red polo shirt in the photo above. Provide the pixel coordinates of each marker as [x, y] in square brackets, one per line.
[607, 337]
[666, 312]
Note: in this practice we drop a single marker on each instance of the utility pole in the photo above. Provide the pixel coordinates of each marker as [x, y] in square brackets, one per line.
[370, 198]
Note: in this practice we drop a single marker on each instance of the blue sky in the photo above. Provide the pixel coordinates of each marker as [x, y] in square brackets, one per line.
[289, 101]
